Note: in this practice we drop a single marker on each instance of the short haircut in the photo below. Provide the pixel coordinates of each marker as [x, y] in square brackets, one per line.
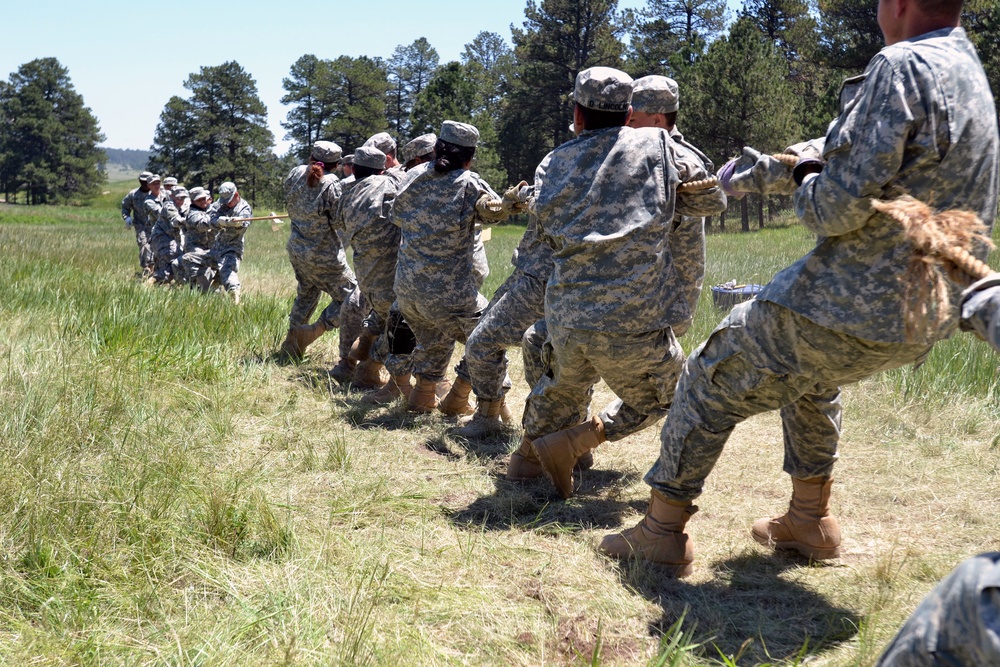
[598, 120]
[943, 9]
[362, 172]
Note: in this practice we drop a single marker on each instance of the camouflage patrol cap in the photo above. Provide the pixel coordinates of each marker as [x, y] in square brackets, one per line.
[179, 193]
[655, 94]
[460, 134]
[422, 145]
[369, 156]
[348, 159]
[170, 180]
[383, 142]
[326, 152]
[227, 191]
[145, 176]
[603, 89]
[197, 193]
[155, 178]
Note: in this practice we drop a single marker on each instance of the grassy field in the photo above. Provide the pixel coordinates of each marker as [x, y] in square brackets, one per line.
[173, 495]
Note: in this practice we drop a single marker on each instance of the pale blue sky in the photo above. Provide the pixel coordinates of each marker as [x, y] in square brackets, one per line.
[128, 59]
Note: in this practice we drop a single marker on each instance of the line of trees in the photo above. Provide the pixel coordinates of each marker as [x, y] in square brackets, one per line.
[48, 138]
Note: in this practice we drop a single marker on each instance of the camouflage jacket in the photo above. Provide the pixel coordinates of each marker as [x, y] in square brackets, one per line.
[132, 205]
[437, 217]
[604, 202]
[230, 239]
[199, 232]
[309, 211]
[170, 221]
[364, 213]
[922, 121]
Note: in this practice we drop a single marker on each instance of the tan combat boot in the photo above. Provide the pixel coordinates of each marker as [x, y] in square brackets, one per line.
[485, 422]
[456, 403]
[658, 538]
[343, 372]
[422, 397]
[524, 465]
[397, 387]
[361, 348]
[289, 347]
[559, 452]
[368, 375]
[305, 335]
[807, 526]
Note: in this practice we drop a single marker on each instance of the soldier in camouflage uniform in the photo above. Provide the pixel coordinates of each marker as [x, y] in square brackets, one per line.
[981, 310]
[134, 215]
[655, 102]
[167, 238]
[384, 142]
[921, 121]
[956, 624]
[194, 266]
[153, 203]
[227, 253]
[364, 216]
[605, 202]
[437, 208]
[319, 259]
[419, 150]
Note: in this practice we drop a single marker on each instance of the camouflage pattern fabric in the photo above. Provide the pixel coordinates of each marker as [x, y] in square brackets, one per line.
[436, 284]
[536, 365]
[640, 368]
[605, 201]
[921, 122]
[195, 264]
[167, 240]
[515, 306]
[133, 204]
[395, 341]
[763, 357]
[957, 624]
[981, 310]
[318, 257]
[228, 249]
[687, 232]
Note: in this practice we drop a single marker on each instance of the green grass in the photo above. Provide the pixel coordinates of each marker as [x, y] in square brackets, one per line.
[172, 495]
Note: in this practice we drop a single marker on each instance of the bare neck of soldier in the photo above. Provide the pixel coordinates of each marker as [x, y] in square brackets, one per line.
[905, 19]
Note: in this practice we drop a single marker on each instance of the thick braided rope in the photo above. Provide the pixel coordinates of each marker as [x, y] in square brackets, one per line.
[703, 184]
[787, 159]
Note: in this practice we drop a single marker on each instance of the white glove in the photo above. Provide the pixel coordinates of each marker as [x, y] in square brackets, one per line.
[128, 221]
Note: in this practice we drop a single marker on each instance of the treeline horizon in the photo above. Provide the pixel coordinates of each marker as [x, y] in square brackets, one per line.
[766, 76]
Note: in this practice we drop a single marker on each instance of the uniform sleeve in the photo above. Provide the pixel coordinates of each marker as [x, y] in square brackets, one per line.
[153, 207]
[981, 310]
[329, 197]
[478, 189]
[864, 152]
[127, 205]
[687, 250]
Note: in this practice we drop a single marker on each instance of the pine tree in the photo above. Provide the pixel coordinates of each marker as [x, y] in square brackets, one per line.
[409, 70]
[357, 92]
[219, 134]
[307, 88]
[670, 34]
[48, 138]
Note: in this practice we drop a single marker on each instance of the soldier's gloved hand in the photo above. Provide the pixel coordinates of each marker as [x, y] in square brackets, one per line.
[128, 221]
[761, 174]
[726, 173]
[806, 166]
[515, 199]
[223, 220]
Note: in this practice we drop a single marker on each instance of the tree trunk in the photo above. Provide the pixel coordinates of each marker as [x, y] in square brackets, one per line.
[745, 214]
[708, 223]
[760, 212]
[722, 220]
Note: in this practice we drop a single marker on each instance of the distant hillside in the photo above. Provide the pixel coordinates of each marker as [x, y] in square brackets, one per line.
[125, 162]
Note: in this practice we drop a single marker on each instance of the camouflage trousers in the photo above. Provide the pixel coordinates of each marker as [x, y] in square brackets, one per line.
[765, 357]
[518, 303]
[347, 307]
[536, 365]
[957, 623]
[165, 251]
[640, 368]
[142, 234]
[196, 267]
[228, 269]
[387, 324]
[437, 327]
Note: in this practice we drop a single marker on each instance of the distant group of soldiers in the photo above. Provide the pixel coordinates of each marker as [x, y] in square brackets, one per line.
[610, 269]
[185, 237]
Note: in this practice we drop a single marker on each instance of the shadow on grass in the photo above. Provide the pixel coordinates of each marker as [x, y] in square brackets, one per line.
[747, 607]
[535, 504]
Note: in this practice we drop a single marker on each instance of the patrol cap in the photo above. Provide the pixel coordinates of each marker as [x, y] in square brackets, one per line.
[348, 159]
[383, 142]
[170, 180]
[422, 145]
[145, 176]
[227, 191]
[155, 178]
[326, 152]
[460, 134]
[369, 156]
[603, 89]
[654, 94]
[179, 193]
[197, 193]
